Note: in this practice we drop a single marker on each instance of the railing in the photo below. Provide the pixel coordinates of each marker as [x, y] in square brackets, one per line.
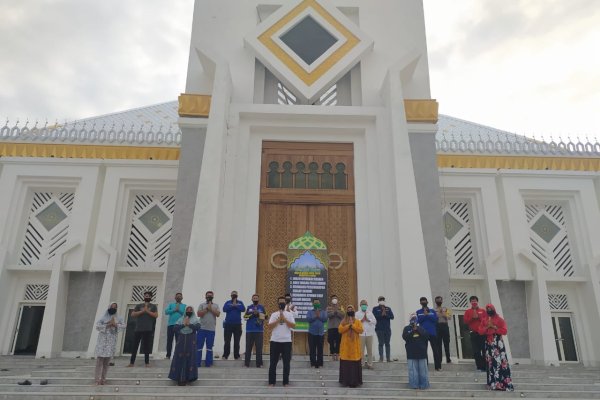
[81, 133]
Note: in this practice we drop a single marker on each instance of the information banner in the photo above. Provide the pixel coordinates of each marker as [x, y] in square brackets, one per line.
[307, 275]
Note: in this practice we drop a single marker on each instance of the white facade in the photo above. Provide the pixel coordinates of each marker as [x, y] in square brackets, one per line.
[520, 238]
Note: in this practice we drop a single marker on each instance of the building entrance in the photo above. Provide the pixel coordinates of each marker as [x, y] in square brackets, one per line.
[27, 332]
[306, 187]
[564, 337]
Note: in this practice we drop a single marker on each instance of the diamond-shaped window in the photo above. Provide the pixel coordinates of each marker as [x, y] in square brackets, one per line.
[51, 216]
[545, 228]
[308, 39]
[154, 218]
[451, 226]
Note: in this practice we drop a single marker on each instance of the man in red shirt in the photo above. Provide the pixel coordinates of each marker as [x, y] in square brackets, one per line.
[472, 318]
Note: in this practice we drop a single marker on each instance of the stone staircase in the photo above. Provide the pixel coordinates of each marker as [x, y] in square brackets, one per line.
[73, 379]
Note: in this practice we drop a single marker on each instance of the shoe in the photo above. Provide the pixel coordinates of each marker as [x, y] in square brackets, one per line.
[24, 383]
[130, 366]
[168, 357]
[225, 358]
[44, 382]
[370, 366]
[448, 361]
[438, 369]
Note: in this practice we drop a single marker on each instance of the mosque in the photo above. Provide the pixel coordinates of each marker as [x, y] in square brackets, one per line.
[305, 126]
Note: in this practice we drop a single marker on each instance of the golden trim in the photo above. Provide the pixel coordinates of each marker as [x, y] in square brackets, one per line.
[518, 162]
[88, 151]
[194, 105]
[308, 77]
[421, 110]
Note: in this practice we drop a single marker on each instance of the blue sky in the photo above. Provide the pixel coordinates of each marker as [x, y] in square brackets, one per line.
[527, 66]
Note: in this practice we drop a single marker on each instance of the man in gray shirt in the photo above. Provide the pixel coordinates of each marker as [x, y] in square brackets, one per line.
[208, 313]
[145, 315]
[334, 317]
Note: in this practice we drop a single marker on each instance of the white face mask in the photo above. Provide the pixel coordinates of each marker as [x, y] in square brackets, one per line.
[334, 301]
[382, 303]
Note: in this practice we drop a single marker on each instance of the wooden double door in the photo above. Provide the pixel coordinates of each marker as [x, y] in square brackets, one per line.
[286, 213]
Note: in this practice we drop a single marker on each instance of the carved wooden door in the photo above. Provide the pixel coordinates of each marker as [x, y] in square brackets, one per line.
[286, 213]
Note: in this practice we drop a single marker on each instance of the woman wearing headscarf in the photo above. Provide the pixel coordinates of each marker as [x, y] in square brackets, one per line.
[493, 326]
[350, 354]
[183, 365]
[109, 326]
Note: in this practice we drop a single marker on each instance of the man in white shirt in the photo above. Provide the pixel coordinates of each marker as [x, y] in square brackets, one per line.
[281, 322]
[366, 338]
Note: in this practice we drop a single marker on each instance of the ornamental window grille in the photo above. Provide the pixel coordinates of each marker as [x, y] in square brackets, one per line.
[36, 292]
[286, 97]
[459, 300]
[150, 232]
[558, 302]
[47, 227]
[137, 292]
[460, 251]
[549, 238]
[302, 176]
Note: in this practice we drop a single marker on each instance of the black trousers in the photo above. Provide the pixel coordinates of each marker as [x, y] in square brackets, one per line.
[478, 346]
[236, 331]
[333, 338]
[437, 355]
[254, 339]
[146, 339]
[283, 349]
[443, 336]
[315, 348]
[171, 334]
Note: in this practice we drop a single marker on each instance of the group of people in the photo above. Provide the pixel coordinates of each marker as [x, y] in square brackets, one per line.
[350, 335]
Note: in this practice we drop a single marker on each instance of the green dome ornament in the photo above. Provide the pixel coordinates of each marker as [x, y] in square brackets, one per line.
[307, 242]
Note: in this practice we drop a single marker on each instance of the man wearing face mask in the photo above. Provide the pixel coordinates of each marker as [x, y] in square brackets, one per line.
[232, 325]
[255, 320]
[473, 317]
[335, 314]
[443, 330]
[281, 322]
[208, 313]
[316, 330]
[366, 317]
[383, 314]
[174, 311]
[145, 315]
[428, 319]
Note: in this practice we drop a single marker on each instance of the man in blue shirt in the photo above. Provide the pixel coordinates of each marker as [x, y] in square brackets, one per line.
[427, 318]
[174, 311]
[383, 314]
[316, 330]
[233, 325]
[255, 324]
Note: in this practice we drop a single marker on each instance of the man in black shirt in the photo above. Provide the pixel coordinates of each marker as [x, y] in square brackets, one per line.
[145, 315]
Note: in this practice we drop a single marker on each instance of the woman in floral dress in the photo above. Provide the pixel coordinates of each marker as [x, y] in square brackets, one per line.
[108, 326]
[498, 371]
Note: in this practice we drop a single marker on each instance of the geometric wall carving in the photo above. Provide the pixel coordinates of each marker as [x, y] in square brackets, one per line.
[150, 231]
[137, 292]
[459, 300]
[458, 238]
[47, 227]
[558, 302]
[548, 238]
[36, 292]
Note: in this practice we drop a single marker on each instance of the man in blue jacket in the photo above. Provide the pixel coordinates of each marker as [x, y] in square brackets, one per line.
[255, 324]
[174, 311]
[416, 354]
[383, 314]
[316, 330]
[232, 325]
[428, 319]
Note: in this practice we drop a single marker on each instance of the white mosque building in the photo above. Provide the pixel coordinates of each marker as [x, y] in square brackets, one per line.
[303, 115]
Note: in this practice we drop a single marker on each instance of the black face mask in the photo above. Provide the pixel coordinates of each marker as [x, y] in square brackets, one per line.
[424, 305]
[439, 303]
[350, 313]
[288, 300]
[281, 306]
[112, 311]
[233, 296]
[189, 314]
[209, 298]
[255, 302]
[147, 300]
[491, 313]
